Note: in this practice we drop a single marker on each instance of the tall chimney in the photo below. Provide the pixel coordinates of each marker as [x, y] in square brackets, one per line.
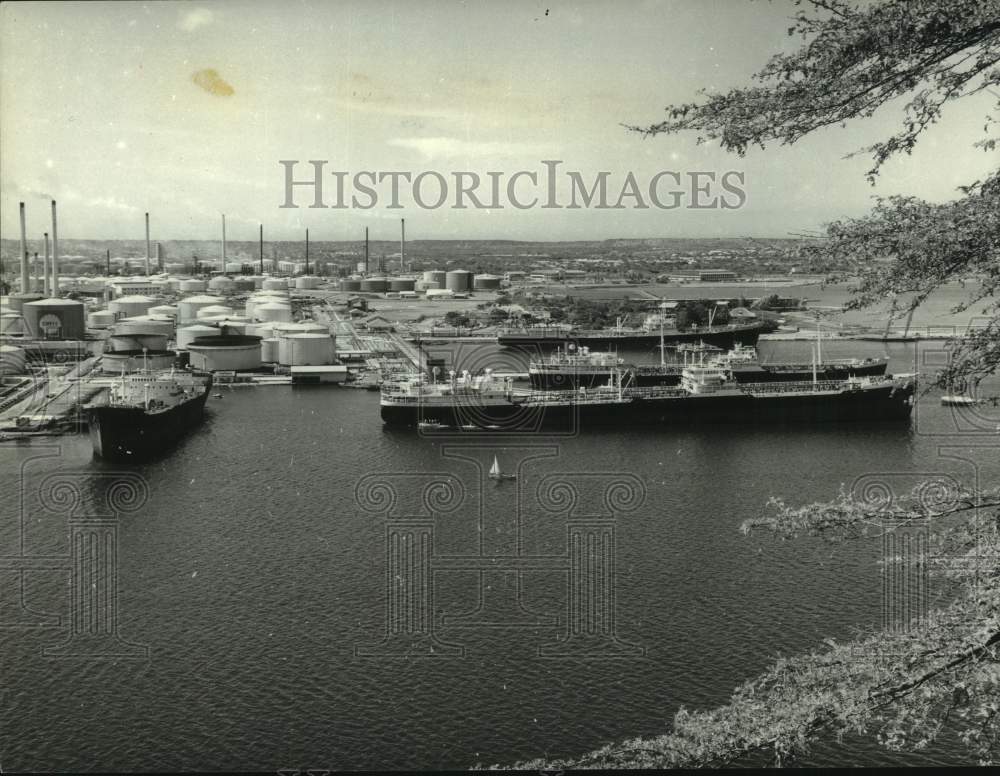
[159, 258]
[38, 278]
[402, 245]
[147, 245]
[307, 251]
[262, 249]
[46, 280]
[223, 268]
[25, 287]
[366, 250]
[55, 253]
[107, 260]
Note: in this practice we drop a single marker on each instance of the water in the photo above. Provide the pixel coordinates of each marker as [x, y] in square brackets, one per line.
[254, 578]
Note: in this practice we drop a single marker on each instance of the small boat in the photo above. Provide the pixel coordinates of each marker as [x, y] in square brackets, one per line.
[217, 395]
[495, 472]
[469, 427]
[430, 424]
[957, 400]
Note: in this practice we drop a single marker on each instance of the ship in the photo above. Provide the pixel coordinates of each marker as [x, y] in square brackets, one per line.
[725, 336]
[584, 368]
[707, 393]
[147, 412]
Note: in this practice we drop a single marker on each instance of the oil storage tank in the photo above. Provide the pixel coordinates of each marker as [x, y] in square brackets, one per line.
[191, 286]
[486, 283]
[306, 349]
[54, 319]
[221, 285]
[401, 284]
[272, 311]
[437, 276]
[275, 284]
[458, 280]
[230, 352]
[12, 360]
[307, 282]
[187, 334]
[214, 310]
[100, 319]
[375, 285]
[269, 350]
[350, 284]
[189, 307]
[130, 306]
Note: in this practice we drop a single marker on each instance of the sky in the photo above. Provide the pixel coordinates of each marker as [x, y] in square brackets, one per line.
[185, 109]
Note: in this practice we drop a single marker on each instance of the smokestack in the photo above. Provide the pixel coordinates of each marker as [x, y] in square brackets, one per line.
[402, 245]
[307, 251]
[108, 261]
[147, 245]
[159, 258]
[25, 287]
[38, 280]
[223, 242]
[262, 249]
[55, 253]
[366, 250]
[46, 281]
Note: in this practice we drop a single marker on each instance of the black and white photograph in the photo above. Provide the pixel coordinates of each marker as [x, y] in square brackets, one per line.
[448, 385]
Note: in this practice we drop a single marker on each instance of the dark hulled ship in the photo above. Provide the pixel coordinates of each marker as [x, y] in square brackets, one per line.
[726, 336]
[583, 368]
[706, 394]
[147, 412]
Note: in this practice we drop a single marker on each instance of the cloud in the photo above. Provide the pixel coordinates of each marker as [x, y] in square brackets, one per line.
[195, 18]
[450, 147]
[212, 82]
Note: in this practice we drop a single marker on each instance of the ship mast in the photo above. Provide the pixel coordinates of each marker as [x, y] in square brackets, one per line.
[663, 310]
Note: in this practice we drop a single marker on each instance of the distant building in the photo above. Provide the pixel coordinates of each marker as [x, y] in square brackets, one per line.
[702, 275]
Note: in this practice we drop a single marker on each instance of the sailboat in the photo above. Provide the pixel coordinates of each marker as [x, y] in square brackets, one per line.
[495, 472]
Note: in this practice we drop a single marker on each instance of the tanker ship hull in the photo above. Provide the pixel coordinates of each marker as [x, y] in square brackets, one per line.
[722, 337]
[131, 434]
[885, 403]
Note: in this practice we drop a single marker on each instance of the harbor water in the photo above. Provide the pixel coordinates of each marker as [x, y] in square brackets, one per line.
[257, 591]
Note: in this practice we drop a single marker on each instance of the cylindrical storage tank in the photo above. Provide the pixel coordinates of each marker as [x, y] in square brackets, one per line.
[243, 284]
[284, 350]
[401, 284]
[130, 306]
[54, 319]
[375, 285]
[350, 284]
[192, 285]
[12, 360]
[143, 325]
[424, 285]
[235, 352]
[274, 284]
[269, 350]
[307, 281]
[115, 362]
[486, 282]
[187, 334]
[290, 282]
[137, 341]
[258, 280]
[438, 276]
[221, 285]
[272, 311]
[173, 284]
[213, 310]
[188, 308]
[309, 349]
[18, 301]
[164, 310]
[263, 330]
[100, 319]
[458, 280]
[231, 326]
[12, 324]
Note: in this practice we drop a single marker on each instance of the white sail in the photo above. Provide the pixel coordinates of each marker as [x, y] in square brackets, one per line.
[495, 468]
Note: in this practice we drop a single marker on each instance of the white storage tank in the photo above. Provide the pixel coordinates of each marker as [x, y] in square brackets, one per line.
[258, 299]
[243, 284]
[232, 326]
[234, 352]
[269, 350]
[272, 311]
[458, 280]
[221, 285]
[164, 310]
[350, 284]
[214, 309]
[116, 362]
[12, 360]
[187, 334]
[143, 324]
[129, 306]
[100, 319]
[307, 282]
[486, 282]
[189, 307]
[274, 284]
[192, 286]
[436, 277]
